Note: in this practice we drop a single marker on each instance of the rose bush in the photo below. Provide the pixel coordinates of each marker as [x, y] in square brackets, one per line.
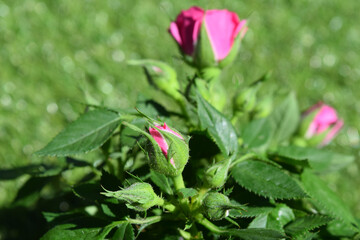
[245, 179]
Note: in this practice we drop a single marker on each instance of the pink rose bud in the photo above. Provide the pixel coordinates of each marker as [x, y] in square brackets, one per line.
[170, 153]
[211, 38]
[320, 124]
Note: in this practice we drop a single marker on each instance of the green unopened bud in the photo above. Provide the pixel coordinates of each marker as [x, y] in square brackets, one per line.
[216, 206]
[246, 100]
[161, 75]
[263, 108]
[139, 196]
[217, 174]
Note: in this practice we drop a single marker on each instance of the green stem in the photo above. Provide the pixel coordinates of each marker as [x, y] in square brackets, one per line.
[178, 182]
[209, 225]
[153, 219]
[183, 108]
[168, 206]
[243, 158]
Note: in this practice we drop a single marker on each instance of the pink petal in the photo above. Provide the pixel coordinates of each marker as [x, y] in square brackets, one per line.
[222, 26]
[188, 24]
[333, 132]
[159, 138]
[311, 130]
[325, 118]
[169, 130]
[172, 162]
[174, 31]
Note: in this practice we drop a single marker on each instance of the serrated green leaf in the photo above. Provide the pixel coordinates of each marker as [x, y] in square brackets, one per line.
[285, 118]
[255, 234]
[124, 231]
[87, 133]
[266, 180]
[306, 236]
[218, 126]
[187, 192]
[325, 198]
[320, 160]
[249, 212]
[257, 134]
[303, 224]
[161, 181]
[84, 228]
[290, 161]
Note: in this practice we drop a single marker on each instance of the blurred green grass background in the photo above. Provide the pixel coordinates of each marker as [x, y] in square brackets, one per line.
[56, 55]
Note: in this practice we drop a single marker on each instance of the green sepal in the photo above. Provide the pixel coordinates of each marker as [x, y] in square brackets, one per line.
[204, 56]
[217, 174]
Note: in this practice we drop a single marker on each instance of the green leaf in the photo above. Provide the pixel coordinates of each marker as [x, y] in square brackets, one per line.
[341, 229]
[250, 212]
[265, 221]
[275, 219]
[218, 126]
[325, 198]
[257, 134]
[303, 224]
[89, 191]
[40, 170]
[87, 133]
[161, 181]
[290, 161]
[320, 160]
[255, 234]
[84, 228]
[266, 180]
[124, 231]
[29, 193]
[283, 214]
[285, 118]
[187, 192]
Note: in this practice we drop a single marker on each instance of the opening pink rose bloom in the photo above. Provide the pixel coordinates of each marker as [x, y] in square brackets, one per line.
[325, 120]
[159, 138]
[222, 27]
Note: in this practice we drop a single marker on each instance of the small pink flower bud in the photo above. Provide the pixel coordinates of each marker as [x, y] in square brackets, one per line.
[174, 150]
[320, 124]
